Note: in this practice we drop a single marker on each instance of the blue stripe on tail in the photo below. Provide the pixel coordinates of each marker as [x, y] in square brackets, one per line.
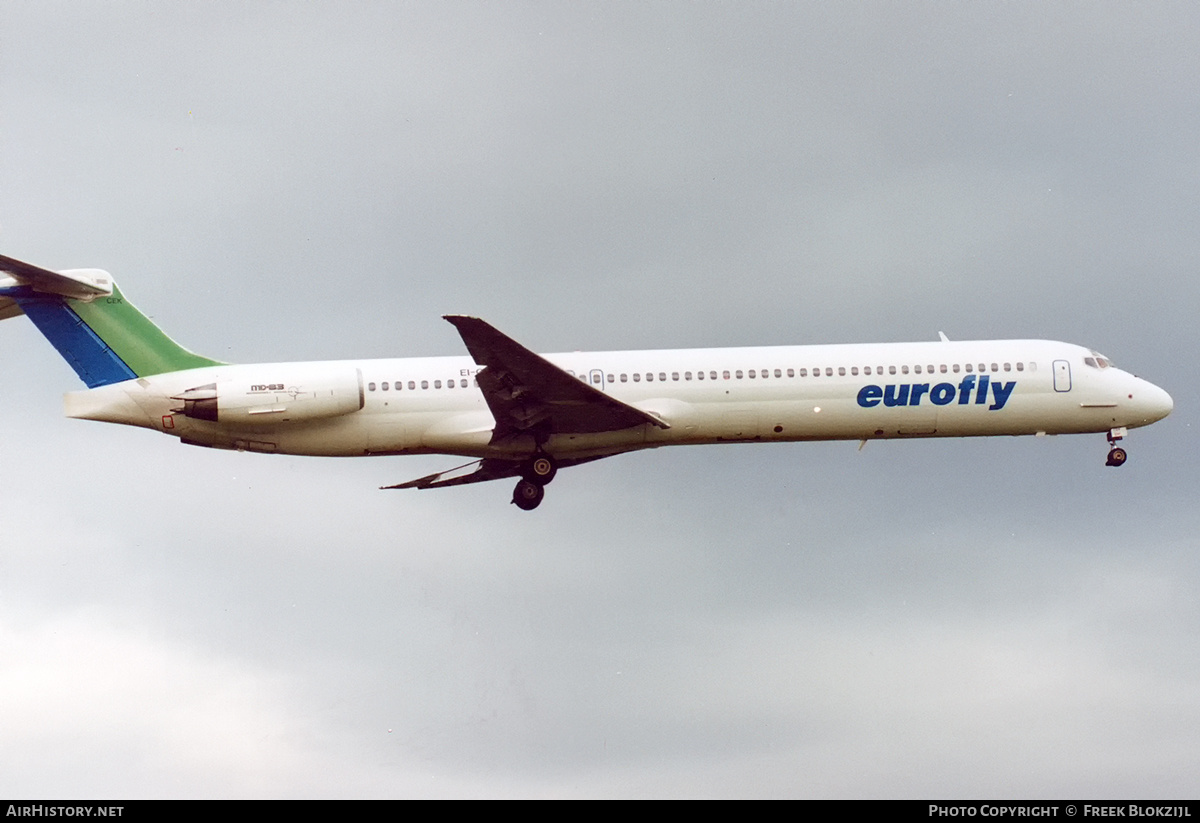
[93, 360]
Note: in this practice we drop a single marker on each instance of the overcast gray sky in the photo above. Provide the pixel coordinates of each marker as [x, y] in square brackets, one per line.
[278, 181]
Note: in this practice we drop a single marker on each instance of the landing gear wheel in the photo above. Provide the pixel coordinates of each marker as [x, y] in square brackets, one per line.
[540, 469]
[1116, 457]
[528, 495]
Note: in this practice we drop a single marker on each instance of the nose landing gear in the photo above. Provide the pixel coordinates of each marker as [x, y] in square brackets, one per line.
[535, 474]
[1116, 454]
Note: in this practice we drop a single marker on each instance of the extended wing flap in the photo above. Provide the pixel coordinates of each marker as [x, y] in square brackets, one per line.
[479, 471]
[486, 469]
[528, 394]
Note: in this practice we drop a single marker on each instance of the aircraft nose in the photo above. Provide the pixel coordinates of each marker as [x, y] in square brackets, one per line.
[1153, 401]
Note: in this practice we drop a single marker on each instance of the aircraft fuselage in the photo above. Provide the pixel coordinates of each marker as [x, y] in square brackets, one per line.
[787, 393]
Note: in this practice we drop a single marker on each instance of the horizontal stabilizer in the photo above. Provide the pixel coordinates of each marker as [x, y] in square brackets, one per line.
[82, 284]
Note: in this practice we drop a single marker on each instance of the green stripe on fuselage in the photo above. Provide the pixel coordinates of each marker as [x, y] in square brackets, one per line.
[135, 339]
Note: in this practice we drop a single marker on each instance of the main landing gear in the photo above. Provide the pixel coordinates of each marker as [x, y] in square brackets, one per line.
[535, 474]
[1116, 454]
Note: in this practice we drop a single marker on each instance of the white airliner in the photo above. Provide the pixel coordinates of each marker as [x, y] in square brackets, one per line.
[524, 415]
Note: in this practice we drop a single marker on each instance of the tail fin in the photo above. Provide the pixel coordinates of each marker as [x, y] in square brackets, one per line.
[96, 330]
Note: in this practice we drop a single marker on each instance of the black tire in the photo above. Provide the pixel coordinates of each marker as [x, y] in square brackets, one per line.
[1117, 456]
[528, 495]
[540, 469]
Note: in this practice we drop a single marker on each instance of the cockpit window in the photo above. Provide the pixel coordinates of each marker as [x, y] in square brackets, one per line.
[1098, 360]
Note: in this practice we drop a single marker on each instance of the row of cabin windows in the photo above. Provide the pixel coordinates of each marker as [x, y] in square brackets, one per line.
[412, 384]
[828, 371]
[752, 374]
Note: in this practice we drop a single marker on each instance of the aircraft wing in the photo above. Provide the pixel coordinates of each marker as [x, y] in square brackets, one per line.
[528, 394]
[489, 468]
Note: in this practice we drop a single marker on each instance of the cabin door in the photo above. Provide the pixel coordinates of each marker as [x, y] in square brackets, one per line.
[1062, 375]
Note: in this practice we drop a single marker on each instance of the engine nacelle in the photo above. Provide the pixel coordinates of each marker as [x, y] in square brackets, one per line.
[275, 397]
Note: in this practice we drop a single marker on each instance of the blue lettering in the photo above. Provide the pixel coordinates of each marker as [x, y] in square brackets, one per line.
[964, 389]
[869, 396]
[943, 394]
[981, 393]
[1001, 391]
[891, 398]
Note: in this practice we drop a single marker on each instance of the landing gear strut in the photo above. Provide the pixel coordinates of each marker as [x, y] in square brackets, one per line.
[535, 474]
[1116, 455]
